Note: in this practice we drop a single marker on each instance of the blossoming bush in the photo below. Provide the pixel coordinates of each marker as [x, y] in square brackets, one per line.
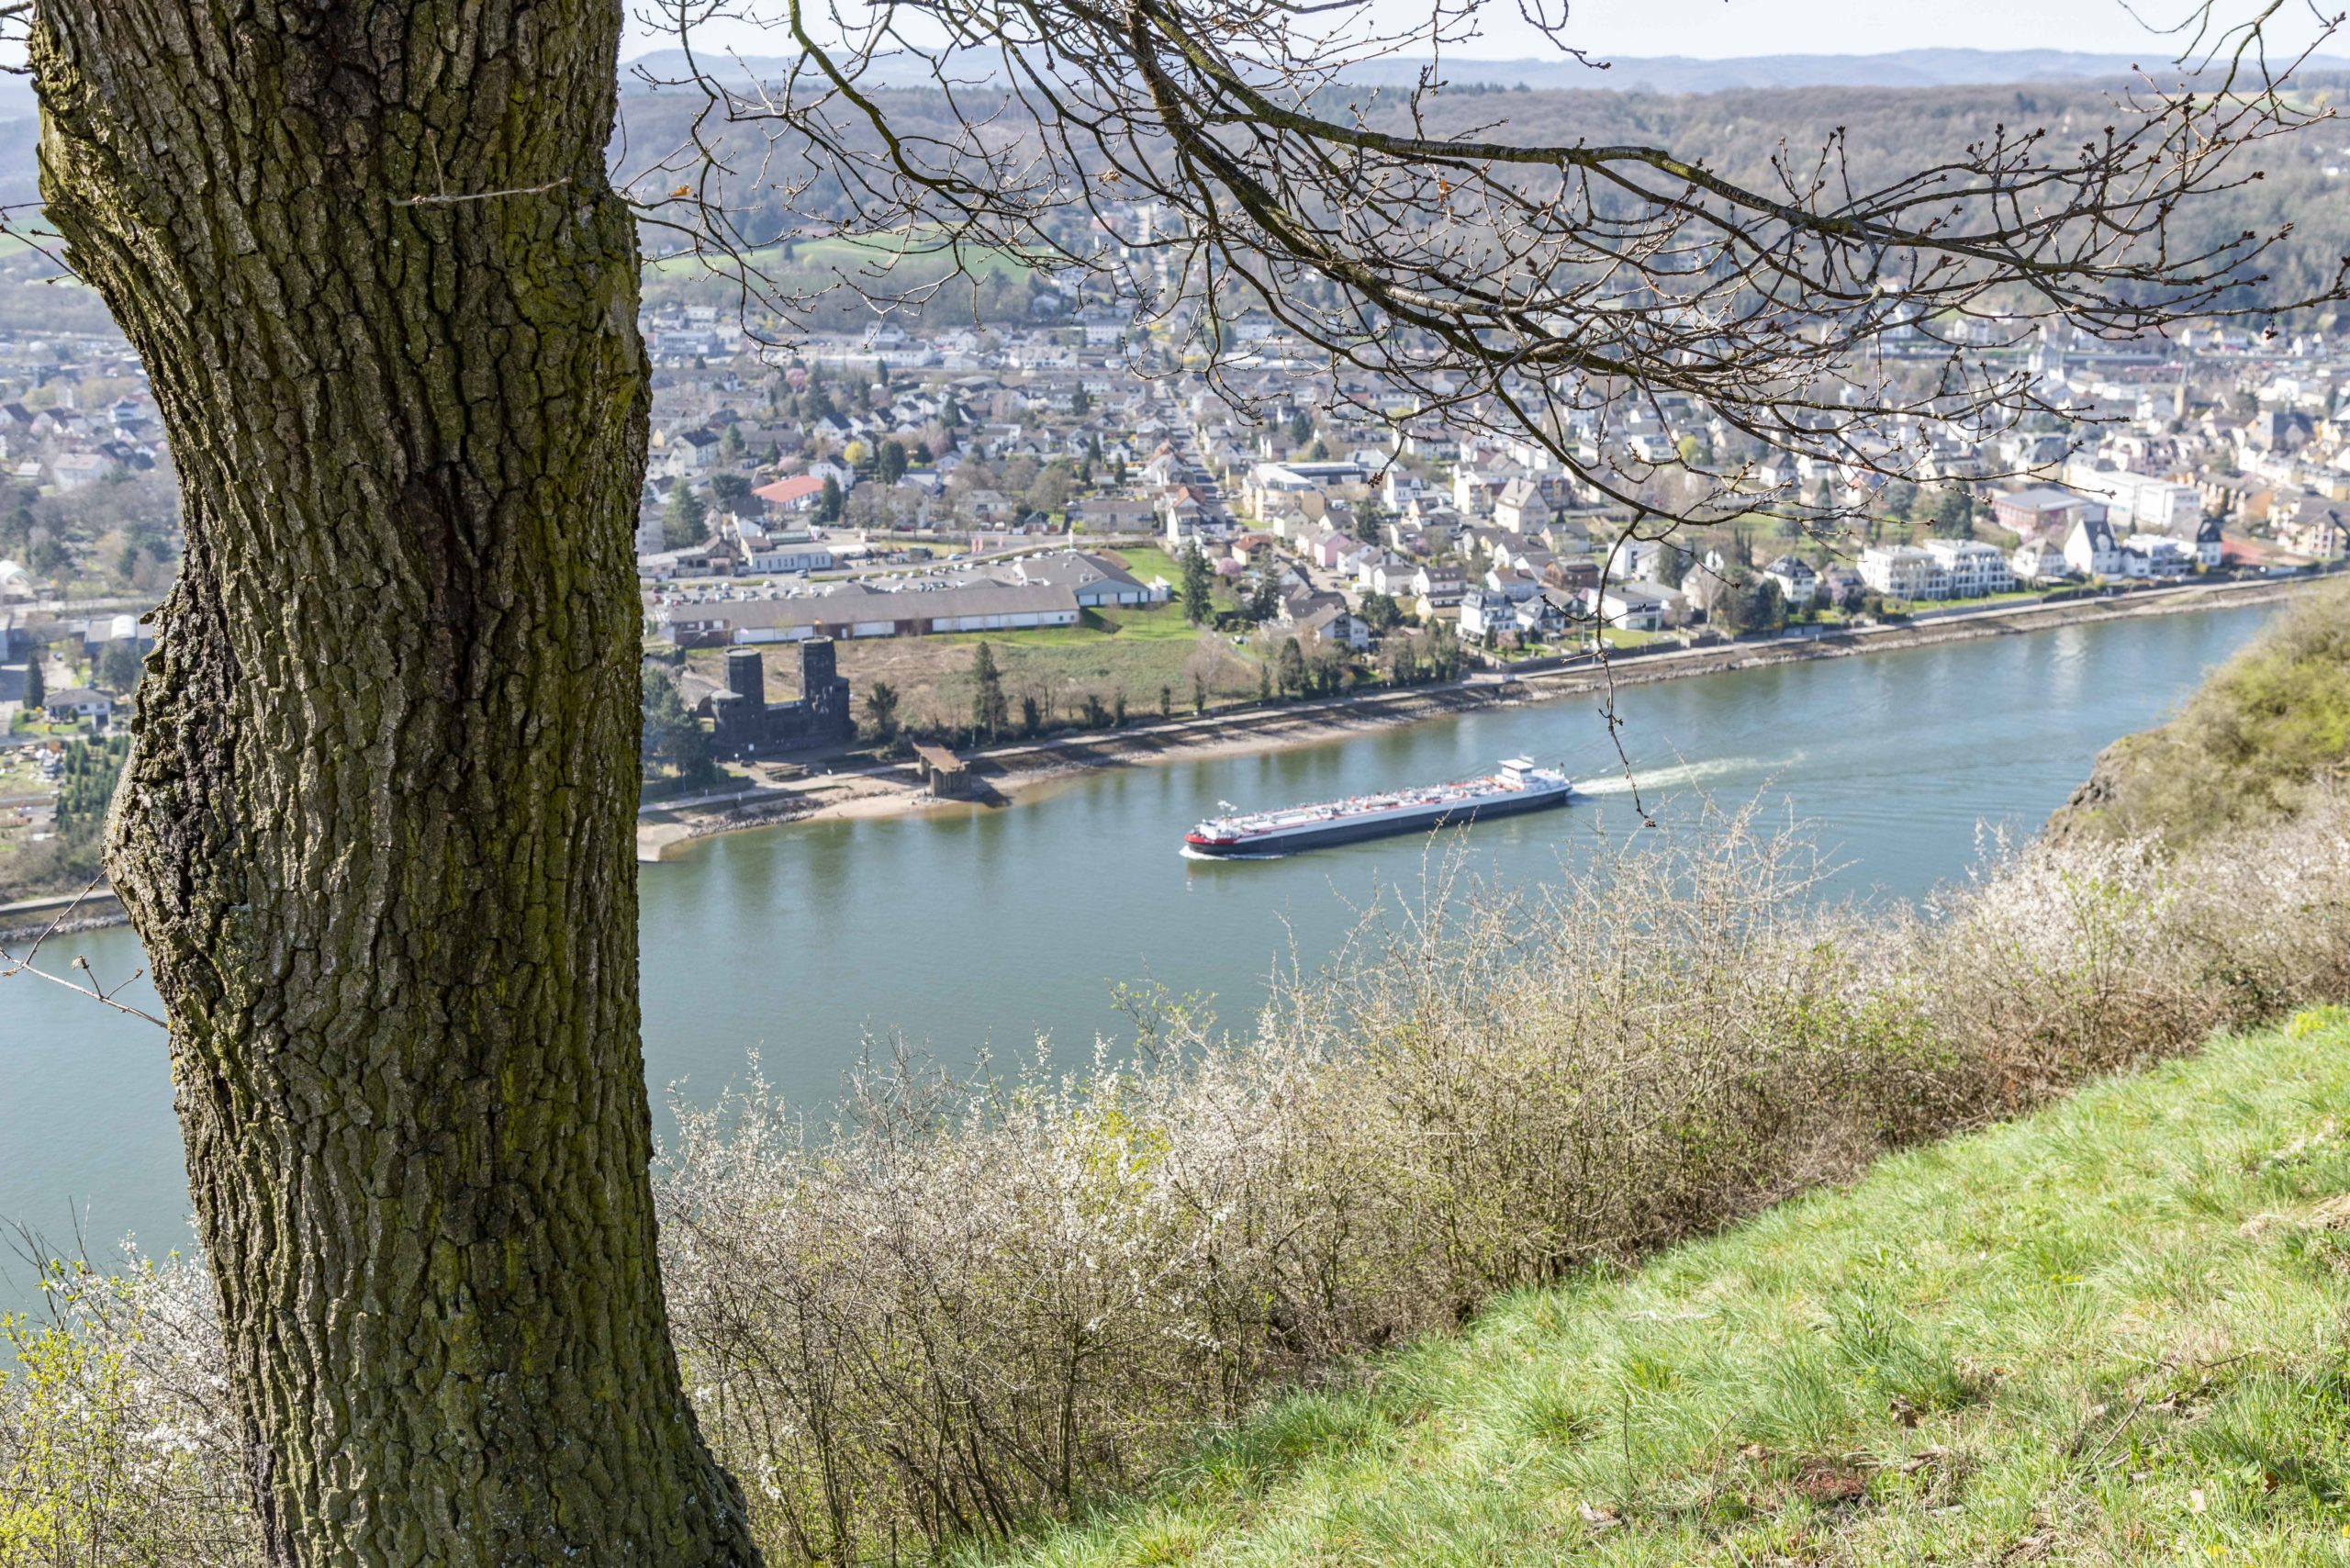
[962, 1305]
[116, 1444]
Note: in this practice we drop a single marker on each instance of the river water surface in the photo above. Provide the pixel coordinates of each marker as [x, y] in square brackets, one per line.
[966, 927]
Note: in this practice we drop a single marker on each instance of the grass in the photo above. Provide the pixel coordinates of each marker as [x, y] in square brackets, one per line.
[1160, 622]
[1069, 664]
[2115, 1332]
[1131, 651]
[1146, 562]
[920, 254]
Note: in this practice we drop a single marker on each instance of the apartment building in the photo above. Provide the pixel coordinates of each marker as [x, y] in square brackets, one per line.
[1971, 568]
[1904, 571]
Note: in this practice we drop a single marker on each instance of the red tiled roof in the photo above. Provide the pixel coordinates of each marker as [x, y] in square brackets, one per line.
[783, 492]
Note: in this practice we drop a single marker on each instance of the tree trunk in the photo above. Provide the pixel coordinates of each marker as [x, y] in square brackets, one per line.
[377, 827]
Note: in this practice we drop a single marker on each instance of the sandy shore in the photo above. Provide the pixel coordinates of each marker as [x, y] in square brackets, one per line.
[1007, 772]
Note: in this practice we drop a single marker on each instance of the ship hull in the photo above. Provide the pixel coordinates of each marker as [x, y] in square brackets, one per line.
[1322, 836]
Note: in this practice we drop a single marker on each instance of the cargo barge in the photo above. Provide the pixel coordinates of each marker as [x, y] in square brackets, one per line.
[1519, 785]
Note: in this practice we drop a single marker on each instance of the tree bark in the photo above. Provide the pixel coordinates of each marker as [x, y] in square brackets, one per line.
[376, 827]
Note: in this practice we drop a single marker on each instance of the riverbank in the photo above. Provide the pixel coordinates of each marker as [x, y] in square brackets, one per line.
[59, 913]
[969, 931]
[1002, 773]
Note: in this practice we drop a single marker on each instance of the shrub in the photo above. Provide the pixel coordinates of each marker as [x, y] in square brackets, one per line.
[116, 1435]
[967, 1304]
[2255, 743]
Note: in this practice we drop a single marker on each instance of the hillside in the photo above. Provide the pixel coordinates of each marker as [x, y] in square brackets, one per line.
[2109, 1333]
[2250, 745]
[1887, 115]
[1879, 133]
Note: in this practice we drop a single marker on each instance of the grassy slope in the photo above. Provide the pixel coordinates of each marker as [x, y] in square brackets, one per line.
[2116, 1332]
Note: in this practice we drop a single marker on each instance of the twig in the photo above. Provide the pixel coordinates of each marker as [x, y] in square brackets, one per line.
[434, 200]
[93, 991]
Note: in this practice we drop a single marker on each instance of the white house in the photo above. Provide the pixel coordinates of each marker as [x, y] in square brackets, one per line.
[2091, 549]
[1484, 615]
[1542, 619]
[1510, 584]
[2165, 556]
[1333, 623]
[1440, 585]
[1393, 577]
[79, 702]
[839, 473]
[2211, 549]
[1521, 506]
[1798, 584]
[1637, 606]
[1185, 524]
[2039, 560]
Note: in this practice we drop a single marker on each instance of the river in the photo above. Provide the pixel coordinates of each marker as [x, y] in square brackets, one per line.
[965, 927]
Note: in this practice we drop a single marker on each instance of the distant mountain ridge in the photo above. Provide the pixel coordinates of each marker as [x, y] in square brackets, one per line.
[1661, 73]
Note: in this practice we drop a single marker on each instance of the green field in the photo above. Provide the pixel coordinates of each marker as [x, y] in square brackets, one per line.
[1145, 562]
[1132, 652]
[915, 255]
[1059, 665]
[2113, 1333]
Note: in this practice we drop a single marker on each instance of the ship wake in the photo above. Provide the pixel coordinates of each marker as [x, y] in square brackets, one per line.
[1671, 778]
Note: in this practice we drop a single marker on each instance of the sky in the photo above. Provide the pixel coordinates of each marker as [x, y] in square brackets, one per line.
[1729, 28]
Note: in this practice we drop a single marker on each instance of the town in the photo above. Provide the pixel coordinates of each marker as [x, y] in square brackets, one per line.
[1129, 536]
[1057, 524]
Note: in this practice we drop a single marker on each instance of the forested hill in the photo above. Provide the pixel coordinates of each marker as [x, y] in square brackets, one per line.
[1661, 74]
[1739, 133]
